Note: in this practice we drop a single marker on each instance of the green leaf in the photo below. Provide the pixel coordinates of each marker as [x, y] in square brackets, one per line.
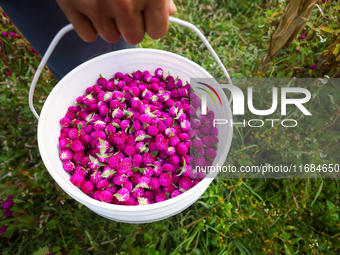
[102, 146]
[154, 153]
[317, 193]
[286, 236]
[107, 173]
[17, 200]
[80, 125]
[142, 137]
[107, 95]
[141, 185]
[114, 113]
[198, 112]
[115, 124]
[42, 251]
[289, 249]
[213, 220]
[89, 117]
[142, 201]
[131, 130]
[94, 160]
[135, 169]
[100, 76]
[179, 114]
[184, 169]
[127, 113]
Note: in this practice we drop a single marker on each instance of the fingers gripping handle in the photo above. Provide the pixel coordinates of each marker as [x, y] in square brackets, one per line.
[69, 27]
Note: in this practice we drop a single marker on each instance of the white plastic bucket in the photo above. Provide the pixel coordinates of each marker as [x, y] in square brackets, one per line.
[75, 83]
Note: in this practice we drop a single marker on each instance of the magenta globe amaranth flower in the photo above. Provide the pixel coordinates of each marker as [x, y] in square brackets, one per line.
[8, 204]
[297, 50]
[313, 67]
[303, 37]
[128, 140]
[7, 213]
[3, 229]
[296, 69]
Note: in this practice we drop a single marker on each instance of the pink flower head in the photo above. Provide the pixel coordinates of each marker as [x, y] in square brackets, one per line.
[130, 201]
[162, 144]
[119, 179]
[106, 196]
[77, 180]
[137, 192]
[210, 153]
[185, 183]
[145, 118]
[181, 149]
[148, 158]
[103, 184]
[160, 197]
[313, 67]
[12, 35]
[122, 195]
[165, 179]
[8, 204]
[129, 150]
[68, 166]
[159, 73]
[154, 183]
[296, 69]
[152, 130]
[174, 140]
[76, 146]
[137, 159]
[7, 213]
[175, 193]
[148, 171]
[170, 151]
[214, 131]
[174, 159]
[185, 126]
[297, 50]
[96, 177]
[197, 144]
[303, 37]
[199, 161]
[65, 155]
[5, 33]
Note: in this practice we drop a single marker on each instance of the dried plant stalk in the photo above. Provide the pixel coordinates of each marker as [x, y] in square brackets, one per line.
[295, 17]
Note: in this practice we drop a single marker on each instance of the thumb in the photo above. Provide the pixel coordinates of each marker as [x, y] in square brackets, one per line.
[172, 7]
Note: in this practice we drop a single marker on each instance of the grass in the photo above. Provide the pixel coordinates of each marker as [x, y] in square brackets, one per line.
[234, 216]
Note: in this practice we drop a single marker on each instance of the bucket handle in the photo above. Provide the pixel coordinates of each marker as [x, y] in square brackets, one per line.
[69, 27]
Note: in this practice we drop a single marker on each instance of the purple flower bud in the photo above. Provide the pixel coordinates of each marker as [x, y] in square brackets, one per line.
[7, 204]
[8, 213]
[303, 37]
[313, 67]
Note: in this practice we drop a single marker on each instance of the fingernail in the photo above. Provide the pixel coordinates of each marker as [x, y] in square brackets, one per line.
[174, 8]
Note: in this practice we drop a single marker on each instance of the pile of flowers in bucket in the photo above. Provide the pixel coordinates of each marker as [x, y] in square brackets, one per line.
[127, 140]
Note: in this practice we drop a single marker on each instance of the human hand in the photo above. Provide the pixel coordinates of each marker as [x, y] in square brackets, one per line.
[112, 19]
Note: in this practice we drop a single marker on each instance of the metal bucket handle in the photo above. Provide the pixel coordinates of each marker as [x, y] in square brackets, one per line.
[69, 27]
